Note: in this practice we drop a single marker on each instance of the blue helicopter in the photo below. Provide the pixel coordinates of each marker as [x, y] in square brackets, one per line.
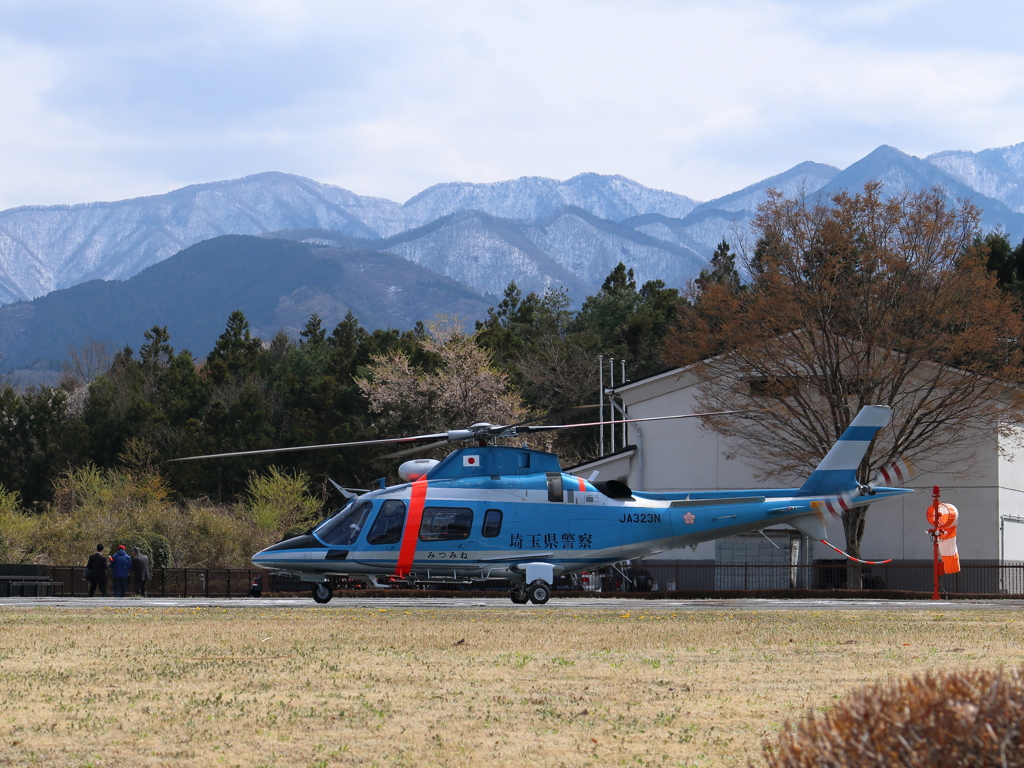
[490, 512]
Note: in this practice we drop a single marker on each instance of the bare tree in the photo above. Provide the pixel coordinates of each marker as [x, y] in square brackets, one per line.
[465, 389]
[87, 361]
[861, 300]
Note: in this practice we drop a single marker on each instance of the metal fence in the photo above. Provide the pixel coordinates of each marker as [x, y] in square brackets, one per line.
[978, 578]
[171, 582]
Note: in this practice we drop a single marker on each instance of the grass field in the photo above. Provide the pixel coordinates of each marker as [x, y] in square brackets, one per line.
[428, 687]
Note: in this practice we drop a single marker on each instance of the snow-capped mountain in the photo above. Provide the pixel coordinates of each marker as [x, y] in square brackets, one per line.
[46, 248]
[995, 173]
[571, 248]
[608, 197]
[540, 232]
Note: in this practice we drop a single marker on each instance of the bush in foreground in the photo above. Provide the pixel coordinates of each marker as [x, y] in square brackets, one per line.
[939, 720]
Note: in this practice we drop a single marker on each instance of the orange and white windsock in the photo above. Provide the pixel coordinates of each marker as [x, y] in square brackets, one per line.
[943, 518]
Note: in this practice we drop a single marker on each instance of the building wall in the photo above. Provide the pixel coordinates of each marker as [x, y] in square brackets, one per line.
[679, 453]
[985, 481]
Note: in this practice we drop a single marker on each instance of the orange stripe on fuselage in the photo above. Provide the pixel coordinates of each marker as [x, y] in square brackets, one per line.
[412, 528]
[583, 487]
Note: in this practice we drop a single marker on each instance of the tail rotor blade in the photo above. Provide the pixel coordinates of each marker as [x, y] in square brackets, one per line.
[896, 472]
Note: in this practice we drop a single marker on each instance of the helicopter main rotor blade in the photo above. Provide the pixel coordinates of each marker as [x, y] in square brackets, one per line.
[554, 414]
[544, 427]
[415, 450]
[386, 441]
[457, 435]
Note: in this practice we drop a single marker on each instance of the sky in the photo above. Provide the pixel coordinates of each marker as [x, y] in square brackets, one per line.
[113, 100]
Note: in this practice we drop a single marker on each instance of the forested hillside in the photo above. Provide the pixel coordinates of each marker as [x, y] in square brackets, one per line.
[277, 283]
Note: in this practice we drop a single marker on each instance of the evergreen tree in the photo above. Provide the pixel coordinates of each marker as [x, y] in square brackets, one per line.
[313, 333]
[236, 351]
[723, 271]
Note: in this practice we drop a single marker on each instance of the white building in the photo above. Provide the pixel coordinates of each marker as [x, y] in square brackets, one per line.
[681, 454]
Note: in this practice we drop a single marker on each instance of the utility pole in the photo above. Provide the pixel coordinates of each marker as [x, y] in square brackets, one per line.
[611, 397]
[600, 388]
[625, 434]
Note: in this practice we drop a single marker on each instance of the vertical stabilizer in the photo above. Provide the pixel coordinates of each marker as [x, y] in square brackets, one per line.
[837, 472]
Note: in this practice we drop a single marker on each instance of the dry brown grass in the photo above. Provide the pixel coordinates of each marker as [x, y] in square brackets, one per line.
[428, 687]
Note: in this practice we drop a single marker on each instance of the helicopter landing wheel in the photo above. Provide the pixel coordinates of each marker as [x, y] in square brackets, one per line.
[323, 593]
[519, 596]
[538, 593]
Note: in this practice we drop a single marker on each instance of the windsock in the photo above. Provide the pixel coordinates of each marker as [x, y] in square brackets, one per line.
[943, 518]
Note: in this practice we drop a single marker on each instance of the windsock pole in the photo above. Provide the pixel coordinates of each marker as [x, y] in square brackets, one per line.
[934, 533]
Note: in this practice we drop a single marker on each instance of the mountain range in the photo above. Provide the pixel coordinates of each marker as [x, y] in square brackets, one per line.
[539, 232]
[277, 283]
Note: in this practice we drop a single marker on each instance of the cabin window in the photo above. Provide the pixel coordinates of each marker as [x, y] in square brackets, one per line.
[445, 523]
[492, 523]
[343, 529]
[387, 528]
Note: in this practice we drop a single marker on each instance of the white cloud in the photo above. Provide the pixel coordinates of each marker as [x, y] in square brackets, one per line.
[698, 97]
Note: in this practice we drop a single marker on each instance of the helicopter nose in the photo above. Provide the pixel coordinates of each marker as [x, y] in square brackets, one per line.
[289, 549]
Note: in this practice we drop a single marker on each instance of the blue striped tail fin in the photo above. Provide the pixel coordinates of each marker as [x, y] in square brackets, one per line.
[837, 472]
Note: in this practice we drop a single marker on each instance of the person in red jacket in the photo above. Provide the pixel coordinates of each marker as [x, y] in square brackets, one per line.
[120, 570]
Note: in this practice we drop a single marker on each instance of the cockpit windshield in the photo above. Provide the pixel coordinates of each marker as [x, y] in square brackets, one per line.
[343, 529]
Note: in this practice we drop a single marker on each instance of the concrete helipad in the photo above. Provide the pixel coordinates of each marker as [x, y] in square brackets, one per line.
[504, 604]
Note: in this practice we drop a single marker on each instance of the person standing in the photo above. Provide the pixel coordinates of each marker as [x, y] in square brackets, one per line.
[97, 568]
[120, 569]
[140, 567]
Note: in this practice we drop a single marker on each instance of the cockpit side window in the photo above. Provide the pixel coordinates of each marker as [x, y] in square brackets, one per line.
[387, 528]
[343, 529]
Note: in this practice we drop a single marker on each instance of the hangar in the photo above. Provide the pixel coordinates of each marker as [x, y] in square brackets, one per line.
[987, 485]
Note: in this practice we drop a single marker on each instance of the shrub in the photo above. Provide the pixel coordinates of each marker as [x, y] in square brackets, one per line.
[279, 502]
[90, 505]
[205, 535]
[967, 718]
[16, 529]
[154, 545]
[131, 506]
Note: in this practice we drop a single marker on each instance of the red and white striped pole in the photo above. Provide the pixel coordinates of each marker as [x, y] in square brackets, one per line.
[934, 533]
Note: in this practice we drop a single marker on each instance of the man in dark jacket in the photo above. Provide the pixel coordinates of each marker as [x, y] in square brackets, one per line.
[97, 568]
[140, 567]
[120, 570]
